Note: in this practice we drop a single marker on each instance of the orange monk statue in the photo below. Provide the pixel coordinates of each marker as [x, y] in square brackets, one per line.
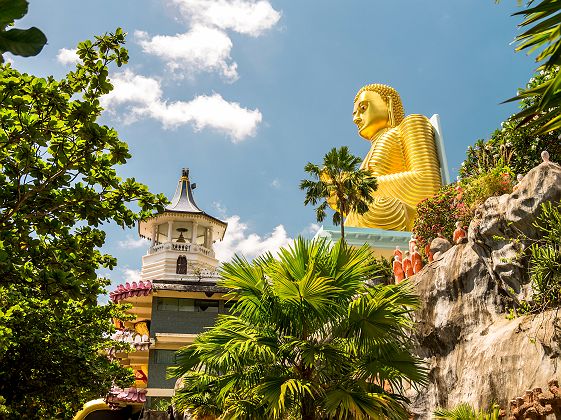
[398, 253]
[416, 260]
[407, 265]
[428, 254]
[398, 272]
[459, 233]
[412, 243]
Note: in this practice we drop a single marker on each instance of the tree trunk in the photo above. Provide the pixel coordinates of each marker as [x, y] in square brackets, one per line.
[343, 224]
[308, 409]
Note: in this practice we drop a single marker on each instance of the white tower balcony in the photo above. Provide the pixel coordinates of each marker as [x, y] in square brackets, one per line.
[182, 238]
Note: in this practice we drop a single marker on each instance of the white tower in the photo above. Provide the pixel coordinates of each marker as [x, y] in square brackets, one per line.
[182, 238]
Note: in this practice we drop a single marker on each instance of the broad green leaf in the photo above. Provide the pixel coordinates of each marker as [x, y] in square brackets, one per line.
[11, 10]
[24, 42]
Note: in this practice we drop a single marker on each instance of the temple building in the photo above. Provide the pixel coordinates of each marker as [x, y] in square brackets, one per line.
[176, 298]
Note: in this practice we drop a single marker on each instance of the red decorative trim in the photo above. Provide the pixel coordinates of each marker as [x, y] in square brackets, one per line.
[127, 290]
[118, 396]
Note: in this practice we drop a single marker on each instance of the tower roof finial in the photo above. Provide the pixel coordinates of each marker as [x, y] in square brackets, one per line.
[183, 200]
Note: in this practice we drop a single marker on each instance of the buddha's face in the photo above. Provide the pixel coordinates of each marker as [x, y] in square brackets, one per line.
[370, 114]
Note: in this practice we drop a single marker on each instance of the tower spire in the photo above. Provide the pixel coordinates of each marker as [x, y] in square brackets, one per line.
[183, 200]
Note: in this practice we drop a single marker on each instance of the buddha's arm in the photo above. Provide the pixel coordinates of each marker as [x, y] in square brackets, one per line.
[420, 177]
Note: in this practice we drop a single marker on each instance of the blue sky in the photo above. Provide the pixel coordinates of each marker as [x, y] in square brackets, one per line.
[245, 92]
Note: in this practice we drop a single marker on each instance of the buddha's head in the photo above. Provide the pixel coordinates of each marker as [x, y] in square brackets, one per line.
[376, 107]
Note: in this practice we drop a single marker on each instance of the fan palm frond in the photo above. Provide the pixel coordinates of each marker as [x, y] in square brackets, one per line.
[306, 339]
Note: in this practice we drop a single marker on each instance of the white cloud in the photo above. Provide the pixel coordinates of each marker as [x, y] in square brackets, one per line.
[129, 87]
[130, 275]
[67, 56]
[206, 46]
[275, 183]
[209, 112]
[220, 208]
[142, 97]
[238, 241]
[201, 49]
[132, 243]
[248, 17]
[311, 230]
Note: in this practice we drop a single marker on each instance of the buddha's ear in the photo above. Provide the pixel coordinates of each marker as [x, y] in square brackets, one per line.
[391, 118]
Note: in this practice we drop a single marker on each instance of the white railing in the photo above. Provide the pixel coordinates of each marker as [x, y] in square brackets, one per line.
[203, 250]
[181, 247]
[196, 276]
[171, 246]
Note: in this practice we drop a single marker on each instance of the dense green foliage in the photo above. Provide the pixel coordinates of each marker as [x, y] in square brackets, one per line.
[382, 271]
[541, 25]
[307, 339]
[478, 188]
[515, 146]
[339, 183]
[545, 258]
[58, 185]
[24, 42]
[467, 412]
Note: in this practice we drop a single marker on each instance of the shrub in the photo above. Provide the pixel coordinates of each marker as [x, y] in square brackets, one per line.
[458, 202]
[476, 189]
[439, 214]
[382, 271]
[465, 411]
[545, 258]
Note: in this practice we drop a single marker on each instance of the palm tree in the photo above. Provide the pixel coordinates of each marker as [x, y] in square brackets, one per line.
[542, 103]
[307, 339]
[339, 183]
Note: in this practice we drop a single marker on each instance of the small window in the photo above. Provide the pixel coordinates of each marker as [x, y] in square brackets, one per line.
[181, 267]
[186, 305]
[175, 304]
[167, 304]
[164, 357]
[206, 306]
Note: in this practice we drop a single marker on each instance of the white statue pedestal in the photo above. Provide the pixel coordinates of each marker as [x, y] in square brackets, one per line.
[382, 242]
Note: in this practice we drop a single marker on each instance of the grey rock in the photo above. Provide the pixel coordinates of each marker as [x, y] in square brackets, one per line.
[501, 219]
[473, 352]
[439, 246]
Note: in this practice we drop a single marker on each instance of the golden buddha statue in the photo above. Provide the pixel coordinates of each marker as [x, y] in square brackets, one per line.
[402, 156]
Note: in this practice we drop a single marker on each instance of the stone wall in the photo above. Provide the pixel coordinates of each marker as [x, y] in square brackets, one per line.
[474, 353]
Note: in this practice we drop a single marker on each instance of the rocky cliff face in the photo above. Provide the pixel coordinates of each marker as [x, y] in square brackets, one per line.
[474, 353]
